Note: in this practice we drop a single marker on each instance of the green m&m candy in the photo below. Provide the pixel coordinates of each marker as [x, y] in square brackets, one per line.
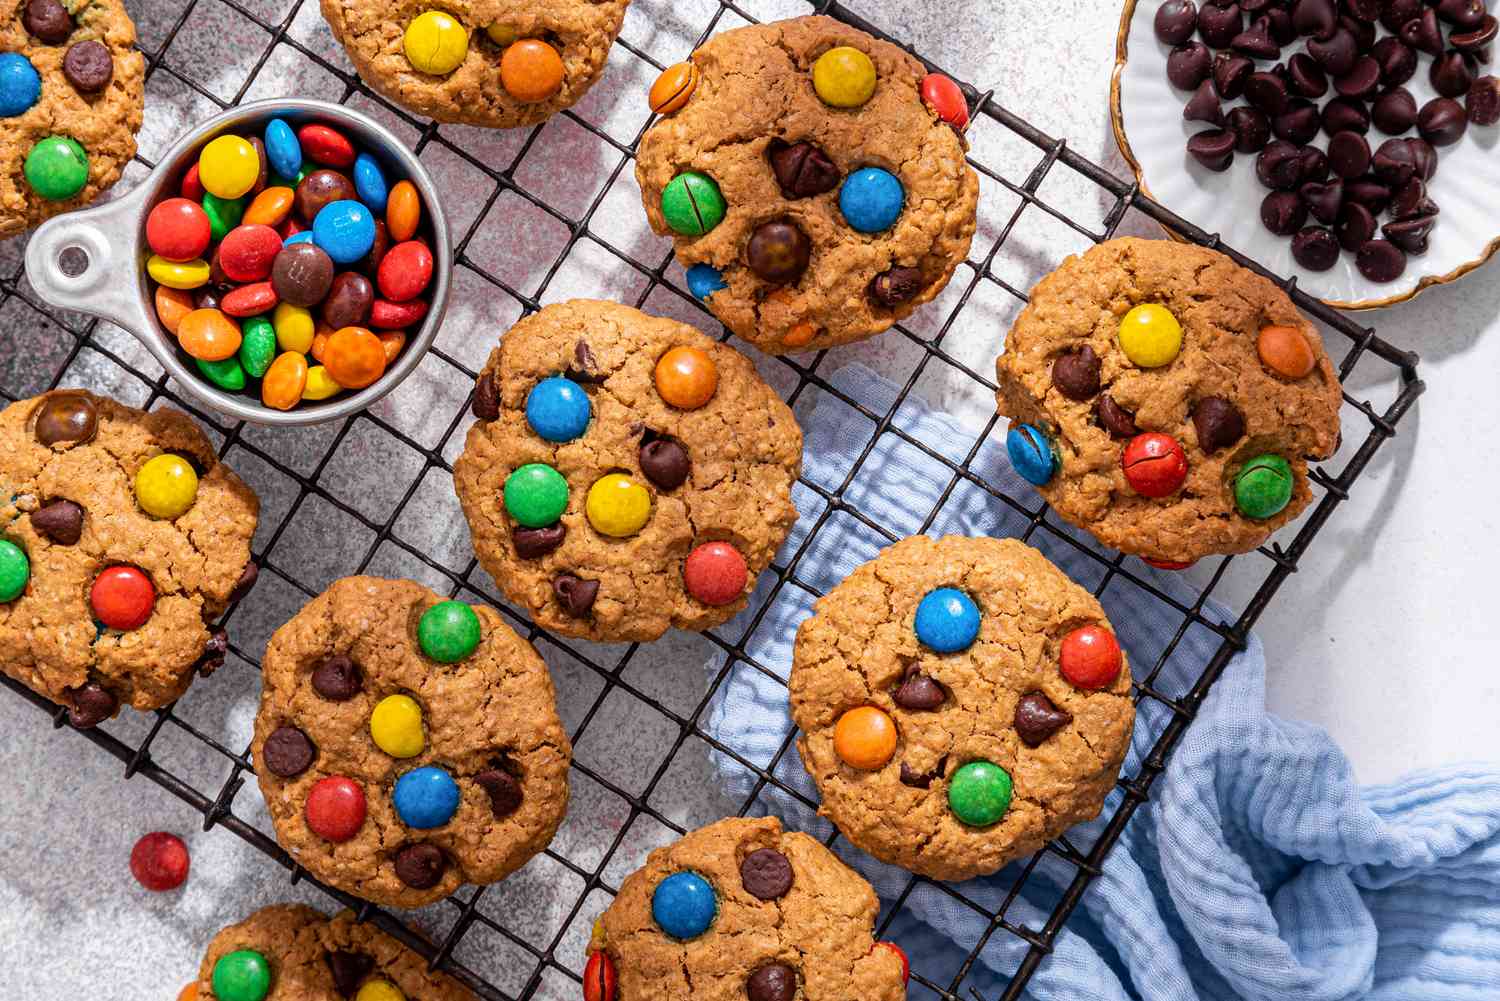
[257, 346]
[57, 168]
[224, 214]
[448, 631]
[536, 495]
[225, 373]
[242, 975]
[692, 204]
[979, 793]
[15, 570]
[1263, 486]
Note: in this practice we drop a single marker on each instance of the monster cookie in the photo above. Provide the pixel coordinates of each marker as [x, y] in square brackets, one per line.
[814, 179]
[961, 701]
[1167, 400]
[742, 909]
[122, 536]
[71, 89]
[288, 952]
[498, 63]
[627, 473]
[405, 744]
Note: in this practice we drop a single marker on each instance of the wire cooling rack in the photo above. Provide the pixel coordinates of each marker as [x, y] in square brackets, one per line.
[544, 960]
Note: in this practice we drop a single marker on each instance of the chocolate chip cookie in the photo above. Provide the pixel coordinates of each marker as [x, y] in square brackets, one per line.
[961, 702]
[71, 89]
[405, 744]
[289, 952]
[813, 179]
[1167, 400]
[122, 536]
[496, 63]
[739, 909]
[627, 474]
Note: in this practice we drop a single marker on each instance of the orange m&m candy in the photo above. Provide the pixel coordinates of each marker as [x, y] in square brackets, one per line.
[531, 70]
[801, 334]
[865, 738]
[393, 341]
[354, 357]
[671, 91]
[271, 207]
[1286, 351]
[188, 993]
[282, 385]
[687, 377]
[208, 335]
[172, 304]
[403, 211]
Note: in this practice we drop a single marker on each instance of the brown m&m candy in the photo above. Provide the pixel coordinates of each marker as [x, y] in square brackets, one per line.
[766, 874]
[287, 751]
[337, 679]
[1076, 373]
[776, 982]
[66, 419]
[779, 252]
[88, 66]
[48, 20]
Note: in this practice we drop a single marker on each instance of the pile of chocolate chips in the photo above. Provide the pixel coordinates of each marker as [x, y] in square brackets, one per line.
[1342, 187]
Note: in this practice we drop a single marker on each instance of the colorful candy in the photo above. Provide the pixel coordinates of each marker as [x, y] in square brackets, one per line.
[320, 385]
[536, 495]
[302, 274]
[354, 357]
[448, 632]
[501, 34]
[64, 418]
[178, 230]
[379, 990]
[209, 335]
[177, 274]
[284, 381]
[715, 573]
[250, 300]
[1155, 464]
[703, 280]
[558, 409]
[387, 315]
[844, 77]
[692, 204]
[947, 620]
[531, 70]
[15, 570]
[283, 149]
[166, 486]
[403, 211]
[1090, 657]
[435, 43]
[405, 271]
[900, 954]
[396, 726]
[325, 145]
[946, 100]
[57, 168]
[271, 207]
[257, 346]
[686, 377]
[227, 373]
[228, 167]
[172, 305]
[600, 982]
[1263, 487]
[20, 84]
[335, 808]
[1286, 351]
[242, 975]
[122, 598]
[865, 738]
[617, 506]
[345, 230]
[159, 861]
[871, 200]
[370, 183]
[1150, 335]
[684, 905]
[672, 90]
[223, 213]
[247, 251]
[294, 328]
[979, 793]
[1030, 454]
[426, 797]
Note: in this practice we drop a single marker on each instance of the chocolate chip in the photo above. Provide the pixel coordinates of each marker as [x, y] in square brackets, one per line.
[1410, 234]
[766, 874]
[1337, 52]
[1279, 166]
[65, 418]
[1369, 192]
[665, 463]
[1251, 128]
[1442, 121]
[1213, 149]
[1394, 111]
[532, 543]
[214, 652]
[776, 982]
[1423, 34]
[1266, 91]
[1451, 74]
[1411, 200]
[1305, 76]
[1395, 14]
[1315, 248]
[1363, 10]
[1394, 161]
[337, 679]
[1465, 14]
[1424, 158]
[88, 66]
[1298, 123]
[1203, 106]
[1256, 41]
[1115, 419]
[421, 866]
[1356, 226]
[778, 252]
[575, 594]
[1345, 114]
[921, 780]
[1076, 373]
[503, 788]
[1230, 73]
[1219, 23]
[486, 404]
[802, 169]
[1361, 81]
[61, 522]
[895, 285]
[1175, 21]
[287, 751]
[919, 692]
[1474, 41]
[1380, 261]
[1283, 213]
[1398, 61]
[1189, 65]
[1323, 200]
[584, 369]
[1484, 101]
[246, 582]
[1315, 17]
[348, 969]
[1218, 422]
[1314, 165]
[1349, 155]
[1038, 718]
[48, 20]
[92, 704]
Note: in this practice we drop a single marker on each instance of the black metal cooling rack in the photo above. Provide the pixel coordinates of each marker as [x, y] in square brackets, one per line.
[1375, 362]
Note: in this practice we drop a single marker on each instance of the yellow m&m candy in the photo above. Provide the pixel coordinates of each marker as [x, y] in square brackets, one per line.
[844, 77]
[320, 385]
[228, 167]
[435, 43]
[166, 486]
[501, 34]
[396, 726]
[1150, 335]
[379, 990]
[617, 505]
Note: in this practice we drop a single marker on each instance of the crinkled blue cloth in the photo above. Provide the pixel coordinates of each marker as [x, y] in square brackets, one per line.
[1258, 870]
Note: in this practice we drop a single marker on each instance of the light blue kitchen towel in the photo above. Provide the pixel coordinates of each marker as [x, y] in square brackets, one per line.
[1258, 870]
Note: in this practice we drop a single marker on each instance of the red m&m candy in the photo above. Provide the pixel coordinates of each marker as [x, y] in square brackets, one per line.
[159, 861]
[946, 100]
[1154, 464]
[178, 230]
[335, 808]
[715, 573]
[122, 598]
[599, 979]
[900, 954]
[246, 252]
[1167, 564]
[192, 185]
[1090, 657]
[324, 145]
[405, 271]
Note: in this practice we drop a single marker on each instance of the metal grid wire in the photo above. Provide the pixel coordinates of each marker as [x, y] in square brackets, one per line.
[1376, 361]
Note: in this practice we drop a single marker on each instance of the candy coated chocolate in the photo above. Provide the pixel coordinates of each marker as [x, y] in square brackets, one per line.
[684, 905]
[425, 797]
[766, 874]
[947, 620]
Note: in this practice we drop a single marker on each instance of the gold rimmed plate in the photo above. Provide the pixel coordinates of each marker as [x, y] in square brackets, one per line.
[1146, 112]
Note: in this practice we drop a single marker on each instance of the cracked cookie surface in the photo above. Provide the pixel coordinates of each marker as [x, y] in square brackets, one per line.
[103, 121]
[581, 31]
[486, 719]
[755, 89]
[49, 639]
[820, 927]
[303, 949]
[1221, 308]
[860, 648]
[743, 449]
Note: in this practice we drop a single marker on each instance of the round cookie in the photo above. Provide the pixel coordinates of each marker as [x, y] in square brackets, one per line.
[781, 908]
[406, 745]
[1156, 374]
[661, 513]
[115, 603]
[781, 202]
[77, 130]
[496, 63]
[998, 746]
[297, 954]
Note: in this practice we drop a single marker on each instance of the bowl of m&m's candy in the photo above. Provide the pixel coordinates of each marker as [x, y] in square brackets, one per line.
[288, 262]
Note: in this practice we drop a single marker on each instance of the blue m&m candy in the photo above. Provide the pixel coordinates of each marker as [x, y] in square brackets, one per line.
[684, 905]
[345, 230]
[1030, 454]
[426, 797]
[370, 183]
[558, 409]
[283, 149]
[305, 236]
[947, 620]
[871, 200]
[704, 280]
[20, 84]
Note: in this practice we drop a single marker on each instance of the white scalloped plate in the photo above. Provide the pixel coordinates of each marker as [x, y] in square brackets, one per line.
[1466, 187]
